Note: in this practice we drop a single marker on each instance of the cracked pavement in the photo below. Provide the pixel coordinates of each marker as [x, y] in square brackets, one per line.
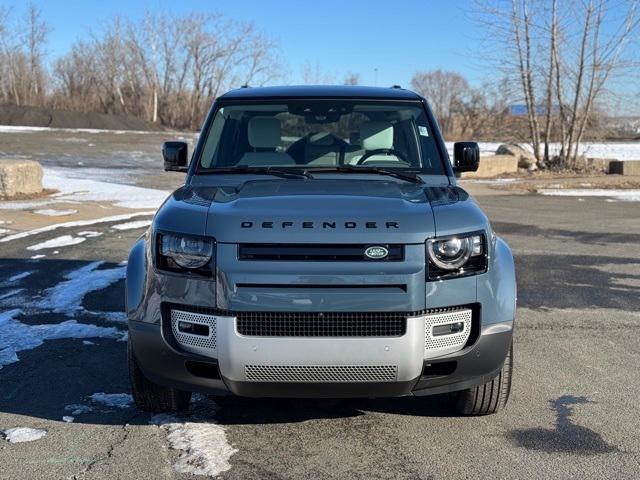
[572, 413]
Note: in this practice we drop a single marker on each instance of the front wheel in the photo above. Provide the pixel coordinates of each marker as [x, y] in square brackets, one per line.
[488, 398]
[149, 396]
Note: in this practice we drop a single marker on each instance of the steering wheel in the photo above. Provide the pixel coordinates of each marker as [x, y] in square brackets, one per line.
[385, 151]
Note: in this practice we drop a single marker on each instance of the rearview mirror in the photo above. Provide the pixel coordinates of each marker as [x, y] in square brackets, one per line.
[466, 157]
[175, 156]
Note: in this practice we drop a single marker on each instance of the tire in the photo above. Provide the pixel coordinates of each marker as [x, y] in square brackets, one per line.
[489, 398]
[150, 397]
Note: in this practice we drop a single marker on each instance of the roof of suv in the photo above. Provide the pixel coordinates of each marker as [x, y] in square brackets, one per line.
[320, 91]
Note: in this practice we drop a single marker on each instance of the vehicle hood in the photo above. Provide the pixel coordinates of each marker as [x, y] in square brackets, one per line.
[317, 211]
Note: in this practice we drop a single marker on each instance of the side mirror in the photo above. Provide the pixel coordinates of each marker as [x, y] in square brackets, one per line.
[466, 157]
[175, 156]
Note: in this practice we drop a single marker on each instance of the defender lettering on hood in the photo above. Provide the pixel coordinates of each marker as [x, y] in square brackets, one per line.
[326, 225]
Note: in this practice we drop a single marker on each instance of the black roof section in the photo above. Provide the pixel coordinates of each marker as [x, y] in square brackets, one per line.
[320, 91]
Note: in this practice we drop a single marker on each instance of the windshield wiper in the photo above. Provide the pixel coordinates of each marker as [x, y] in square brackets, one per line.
[245, 169]
[407, 176]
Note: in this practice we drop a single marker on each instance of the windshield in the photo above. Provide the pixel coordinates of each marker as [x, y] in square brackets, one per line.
[321, 133]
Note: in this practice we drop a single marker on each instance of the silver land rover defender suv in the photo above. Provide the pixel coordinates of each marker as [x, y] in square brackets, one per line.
[321, 247]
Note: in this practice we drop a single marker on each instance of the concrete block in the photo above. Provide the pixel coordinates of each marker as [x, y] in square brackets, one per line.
[20, 177]
[625, 167]
[494, 165]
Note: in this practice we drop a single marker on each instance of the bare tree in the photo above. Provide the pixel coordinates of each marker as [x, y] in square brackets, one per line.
[561, 52]
[164, 69]
[445, 91]
[315, 75]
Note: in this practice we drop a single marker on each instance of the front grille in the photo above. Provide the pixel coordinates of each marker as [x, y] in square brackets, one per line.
[315, 252]
[321, 373]
[332, 324]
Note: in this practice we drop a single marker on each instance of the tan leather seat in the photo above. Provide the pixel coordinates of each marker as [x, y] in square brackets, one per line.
[376, 135]
[265, 133]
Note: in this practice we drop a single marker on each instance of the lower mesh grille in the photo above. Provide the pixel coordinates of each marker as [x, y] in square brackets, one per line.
[321, 373]
[188, 339]
[331, 324]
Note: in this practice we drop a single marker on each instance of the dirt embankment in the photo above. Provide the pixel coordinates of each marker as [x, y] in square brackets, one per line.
[18, 115]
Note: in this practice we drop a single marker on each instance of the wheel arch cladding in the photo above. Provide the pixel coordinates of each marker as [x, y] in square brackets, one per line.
[497, 289]
[136, 276]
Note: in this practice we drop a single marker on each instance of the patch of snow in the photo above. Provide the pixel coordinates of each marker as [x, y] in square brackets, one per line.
[89, 234]
[68, 419]
[4, 231]
[5, 222]
[19, 276]
[78, 408]
[203, 447]
[62, 241]
[132, 225]
[84, 189]
[88, 342]
[622, 195]
[29, 129]
[16, 336]
[67, 296]
[36, 257]
[607, 150]
[23, 434]
[52, 212]
[11, 293]
[28, 205]
[493, 181]
[118, 400]
[77, 223]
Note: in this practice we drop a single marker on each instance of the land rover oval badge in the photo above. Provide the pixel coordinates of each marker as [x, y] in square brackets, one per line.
[376, 253]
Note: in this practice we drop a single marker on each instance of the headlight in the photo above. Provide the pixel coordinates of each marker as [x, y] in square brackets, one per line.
[456, 255]
[184, 251]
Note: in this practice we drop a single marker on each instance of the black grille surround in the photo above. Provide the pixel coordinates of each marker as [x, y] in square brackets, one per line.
[316, 252]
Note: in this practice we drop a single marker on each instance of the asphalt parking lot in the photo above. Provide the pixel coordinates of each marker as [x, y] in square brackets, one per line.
[572, 412]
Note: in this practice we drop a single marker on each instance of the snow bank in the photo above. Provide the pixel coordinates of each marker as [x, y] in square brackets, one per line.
[610, 150]
[16, 336]
[62, 241]
[622, 195]
[23, 434]
[67, 296]
[203, 447]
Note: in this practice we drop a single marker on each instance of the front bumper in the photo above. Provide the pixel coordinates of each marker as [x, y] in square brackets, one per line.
[466, 368]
